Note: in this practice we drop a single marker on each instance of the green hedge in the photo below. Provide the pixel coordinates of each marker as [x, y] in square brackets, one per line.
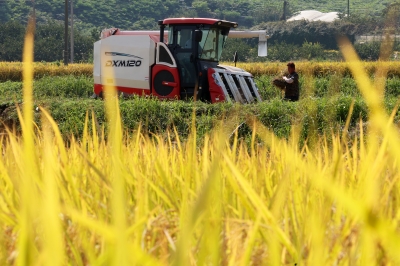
[325, 33]
[316, 115]
[320, 111]
[82, 87]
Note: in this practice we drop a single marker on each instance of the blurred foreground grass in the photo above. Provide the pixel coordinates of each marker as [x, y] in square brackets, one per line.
[220, 204]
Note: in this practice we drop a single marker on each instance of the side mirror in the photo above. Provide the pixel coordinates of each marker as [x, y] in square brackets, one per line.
[235, 58]
[198, 35]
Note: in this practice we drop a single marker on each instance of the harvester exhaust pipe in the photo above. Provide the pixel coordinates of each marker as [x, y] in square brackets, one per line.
[262, 39]
[162, 28]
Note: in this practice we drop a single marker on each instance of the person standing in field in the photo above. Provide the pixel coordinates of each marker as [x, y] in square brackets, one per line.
[289, 83]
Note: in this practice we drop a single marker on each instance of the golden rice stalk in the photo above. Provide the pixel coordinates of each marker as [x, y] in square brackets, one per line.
[27, 186]
[13, 70]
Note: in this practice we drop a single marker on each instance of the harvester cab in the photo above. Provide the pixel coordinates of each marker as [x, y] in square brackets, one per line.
[181, 61]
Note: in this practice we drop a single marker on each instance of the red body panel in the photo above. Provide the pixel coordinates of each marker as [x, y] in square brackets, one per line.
[216, 92]
[207, 21]
[175, 94]
[99, 88]
[154, 35]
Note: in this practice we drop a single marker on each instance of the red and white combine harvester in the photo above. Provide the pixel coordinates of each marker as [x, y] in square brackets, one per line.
[180, 63]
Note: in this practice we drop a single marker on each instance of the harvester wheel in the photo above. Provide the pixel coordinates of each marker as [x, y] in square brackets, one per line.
[159, 78]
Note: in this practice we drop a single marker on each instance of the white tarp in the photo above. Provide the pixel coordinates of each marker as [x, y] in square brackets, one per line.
[314, 15]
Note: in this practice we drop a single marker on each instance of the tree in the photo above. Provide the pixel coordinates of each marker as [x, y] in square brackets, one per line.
[368, 51]
[201, 8]
[49, 43]
[5, 12]
[236, 45]
[144, 24]
[11, 41]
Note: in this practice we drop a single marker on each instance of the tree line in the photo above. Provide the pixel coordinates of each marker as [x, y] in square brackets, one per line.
[144, 14]
[49, 42]
[296, 40]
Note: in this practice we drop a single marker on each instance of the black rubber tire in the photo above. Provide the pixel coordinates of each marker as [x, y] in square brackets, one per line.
[161, 76]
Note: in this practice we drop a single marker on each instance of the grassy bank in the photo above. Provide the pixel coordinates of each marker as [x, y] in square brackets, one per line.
[323, 109]
[316, 117]
[73, 86]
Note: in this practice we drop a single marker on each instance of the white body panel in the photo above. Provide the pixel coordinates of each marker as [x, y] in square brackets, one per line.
[96, 63]
[124, 61]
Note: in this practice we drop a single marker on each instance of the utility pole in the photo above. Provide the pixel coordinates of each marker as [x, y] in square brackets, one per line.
[65, 54]
[285, 3]
[34, 10]
[72, 31]
[348, 8]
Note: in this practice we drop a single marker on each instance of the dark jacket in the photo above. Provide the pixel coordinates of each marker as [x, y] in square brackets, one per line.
[292, 89]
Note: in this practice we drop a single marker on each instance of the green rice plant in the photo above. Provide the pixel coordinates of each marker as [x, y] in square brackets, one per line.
[49, 87]
[321, 86]
[159, 117]
[392, 87]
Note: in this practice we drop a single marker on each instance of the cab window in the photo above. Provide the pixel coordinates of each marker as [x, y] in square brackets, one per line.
[184, 38]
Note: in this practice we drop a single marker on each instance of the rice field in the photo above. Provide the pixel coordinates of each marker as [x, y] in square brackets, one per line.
[149, 199]
[12, 71]
[322, 110]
